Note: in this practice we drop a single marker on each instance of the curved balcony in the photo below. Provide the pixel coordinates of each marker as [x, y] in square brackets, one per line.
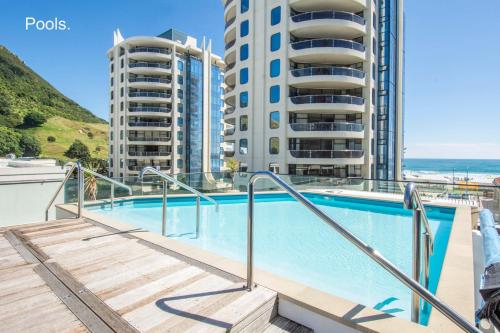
[327, 77]
[144, 67]
[229, 131]
[149, 109]
[149, 154]
[229, 153]
[230, 97]
[229, 10]
[346, 157]
[345, 5]
[149, 53]
[326, 130]
[229, 111]
[150, 124]
[344, 103]
[230, 75]
[324, 24]
[327, 50]
[149, 96]
[230, 30]
[145, 82]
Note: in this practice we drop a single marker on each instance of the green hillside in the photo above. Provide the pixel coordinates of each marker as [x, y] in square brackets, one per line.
[24, 93]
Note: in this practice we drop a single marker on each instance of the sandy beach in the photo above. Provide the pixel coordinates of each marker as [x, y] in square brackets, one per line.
[484, 179]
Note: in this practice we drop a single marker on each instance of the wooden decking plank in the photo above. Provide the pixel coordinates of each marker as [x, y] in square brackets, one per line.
[56, 231]
[43, 225]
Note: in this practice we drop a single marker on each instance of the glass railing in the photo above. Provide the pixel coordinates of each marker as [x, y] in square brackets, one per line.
[327, 14]
[229, 131]
[230, 44]
[328, 42]
[228, 23]
[341, 71]
[146, 139]
[150, 50]
[229, 153]
[229, 110]
[139, 168]
[149, 65]
[149, 153]
[332, 126]
[149, 109]
[149, 124]
[312, 99]
[149, 94]
[149, 79]
[327, 153]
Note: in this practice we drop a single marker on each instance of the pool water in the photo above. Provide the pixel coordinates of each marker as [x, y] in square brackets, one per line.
[292, 242]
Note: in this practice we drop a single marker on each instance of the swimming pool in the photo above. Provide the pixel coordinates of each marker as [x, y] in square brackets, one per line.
[292, 242]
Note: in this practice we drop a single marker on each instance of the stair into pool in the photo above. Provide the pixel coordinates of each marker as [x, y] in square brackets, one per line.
[81, 276]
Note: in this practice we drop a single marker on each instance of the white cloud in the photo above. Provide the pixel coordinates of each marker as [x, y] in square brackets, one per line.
[486, 150]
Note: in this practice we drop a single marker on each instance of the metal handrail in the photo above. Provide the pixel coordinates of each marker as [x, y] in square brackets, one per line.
[372, 253]
[413, 201]
[166, 179]
[81, 171]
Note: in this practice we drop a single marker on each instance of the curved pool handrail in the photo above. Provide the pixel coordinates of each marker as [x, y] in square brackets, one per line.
[413, 201]
[372, 253]
[68, 174]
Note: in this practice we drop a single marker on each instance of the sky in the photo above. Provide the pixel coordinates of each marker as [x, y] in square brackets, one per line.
[452, 64]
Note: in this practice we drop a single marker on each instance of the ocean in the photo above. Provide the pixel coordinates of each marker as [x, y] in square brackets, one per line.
[447, 166]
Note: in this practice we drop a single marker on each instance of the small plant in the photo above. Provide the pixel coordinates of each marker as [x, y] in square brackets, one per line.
[233, 165]
[91, 182]
[90, 135]
[51, 138]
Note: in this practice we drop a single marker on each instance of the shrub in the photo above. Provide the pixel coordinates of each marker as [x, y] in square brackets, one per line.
[50, 138]
[30, 146]
[90, 135]
[9, 142]
[78, 151]
[34, 119]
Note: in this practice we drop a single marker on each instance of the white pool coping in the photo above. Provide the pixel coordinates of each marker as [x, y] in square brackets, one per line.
[321, 311]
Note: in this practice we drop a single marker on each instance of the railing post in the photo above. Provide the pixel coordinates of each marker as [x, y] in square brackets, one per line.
[415, 314]
[427, 243]
[250, 235]
[198, 202]
[112, 195]
[164, 209]
[81, 189]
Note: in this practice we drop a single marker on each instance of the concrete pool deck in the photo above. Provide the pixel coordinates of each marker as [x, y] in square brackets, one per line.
[327, 313]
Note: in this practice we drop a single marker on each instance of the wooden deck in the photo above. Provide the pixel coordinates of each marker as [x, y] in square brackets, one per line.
[77, 276]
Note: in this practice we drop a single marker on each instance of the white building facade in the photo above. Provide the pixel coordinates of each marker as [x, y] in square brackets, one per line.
[315, 87]
[166, 105]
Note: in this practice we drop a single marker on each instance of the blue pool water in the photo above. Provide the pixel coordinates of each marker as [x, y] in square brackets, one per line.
[292, 242]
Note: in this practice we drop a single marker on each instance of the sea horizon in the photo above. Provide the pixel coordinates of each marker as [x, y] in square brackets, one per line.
[450, 165]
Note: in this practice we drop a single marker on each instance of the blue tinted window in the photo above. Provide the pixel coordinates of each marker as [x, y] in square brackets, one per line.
[275, 68]
[244, 75]
[244, 99]
[180, 65]
[244, 52]
[275, 42]
[244, 6]
[244, 28]
[275, 15]
[274, 96]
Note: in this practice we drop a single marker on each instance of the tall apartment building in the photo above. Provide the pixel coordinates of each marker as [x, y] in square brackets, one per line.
[315, 87]
[166, 105]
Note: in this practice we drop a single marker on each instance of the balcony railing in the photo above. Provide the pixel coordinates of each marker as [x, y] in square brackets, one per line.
[328, 42]
[149, 153]
[149, 94]
[229, 153]
[327, 14]
[230, 66]
[149, 109]
[139, 168]
[149, 65]
[341, 71]
[149, 79]
[229, 131]
[146, 139]
[150, 50]
[313, 99]
[148, 124]
[230, 44]
[327, 153]
[229, 110]
[332, 126]
[228, 23]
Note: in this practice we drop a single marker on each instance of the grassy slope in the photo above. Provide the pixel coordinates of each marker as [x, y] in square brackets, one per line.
[66, 131]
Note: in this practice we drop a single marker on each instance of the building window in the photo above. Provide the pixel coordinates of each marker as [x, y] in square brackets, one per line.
[276, 15]
[274, 94]
[112, 95]
[244, 52]
[243, 146]
[244, 28]
[243, 123]
[180, 108]
[275, 68]
[111, 149]
[112, 68]
[121, 92]
[121, 134]
[274, 146]
[180, 65]
[245, 5]
[275, 42]
[121, 106]
[180, 80]
[180, 164]
[180, 93]
[111, 164]
[244, 75]
[111, 108]
[180, 136]
[244, 99]
[111, 135]
[274, 120]
[122, 63]
[121, 77]
[180, 150]
[112, 81]
[121, 120]
[111, 122]
[121, 149]
[180, 121]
